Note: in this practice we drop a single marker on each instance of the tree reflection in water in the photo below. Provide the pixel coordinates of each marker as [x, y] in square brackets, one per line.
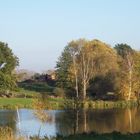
[100, 121]
[72, 122]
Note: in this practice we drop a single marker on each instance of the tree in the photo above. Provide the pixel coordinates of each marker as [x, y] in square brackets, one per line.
[82, 60]
[7, 78]
[136, 82]
[129, 71]
[59, 92]
[75, 49]
[95, 60]
[62, 69]
[101, 85]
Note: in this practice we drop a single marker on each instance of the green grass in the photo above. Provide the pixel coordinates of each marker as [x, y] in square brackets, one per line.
[60, 103]
[12, 103]
[22, 93]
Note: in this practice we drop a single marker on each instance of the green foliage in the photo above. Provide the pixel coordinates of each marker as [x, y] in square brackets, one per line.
[36, 86]
[59, 92]
[123, 49]
[7, 82]
[7, 78]
[103, 84]
[7, 56]
[62, 69]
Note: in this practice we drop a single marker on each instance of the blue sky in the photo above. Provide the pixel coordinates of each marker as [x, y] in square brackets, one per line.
[38, 30]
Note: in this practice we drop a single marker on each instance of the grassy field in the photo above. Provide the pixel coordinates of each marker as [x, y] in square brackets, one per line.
[12, 103]
[22, 93]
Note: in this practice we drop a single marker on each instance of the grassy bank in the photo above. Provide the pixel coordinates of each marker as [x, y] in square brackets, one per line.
[8, 134]
[110, 104]
[93, 136]
[100, 104]
[60, 103]
[12, 103]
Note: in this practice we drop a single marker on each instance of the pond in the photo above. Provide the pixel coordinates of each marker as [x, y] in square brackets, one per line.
[72, 122]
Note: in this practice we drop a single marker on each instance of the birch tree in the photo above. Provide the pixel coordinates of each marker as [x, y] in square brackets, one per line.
[92, 58]
[86, 66]
[86, 59]
[95, 59]
[82, 56]
[130, 65]
[128, 69]
[74, 53]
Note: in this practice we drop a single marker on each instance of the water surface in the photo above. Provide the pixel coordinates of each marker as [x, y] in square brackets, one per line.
[72, 122]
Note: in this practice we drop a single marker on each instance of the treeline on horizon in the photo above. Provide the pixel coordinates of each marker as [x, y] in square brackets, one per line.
[85, 69]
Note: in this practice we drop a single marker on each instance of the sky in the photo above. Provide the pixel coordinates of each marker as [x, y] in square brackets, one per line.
[38, 30]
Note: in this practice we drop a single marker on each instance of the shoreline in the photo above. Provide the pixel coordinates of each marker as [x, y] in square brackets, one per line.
[61, 104]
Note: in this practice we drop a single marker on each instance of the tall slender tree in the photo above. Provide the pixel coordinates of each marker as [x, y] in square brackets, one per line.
[128, 67]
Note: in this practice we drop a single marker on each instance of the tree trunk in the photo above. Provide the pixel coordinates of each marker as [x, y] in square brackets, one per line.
[84, 90]
[76, 78]
[77, 93]
[130, 84]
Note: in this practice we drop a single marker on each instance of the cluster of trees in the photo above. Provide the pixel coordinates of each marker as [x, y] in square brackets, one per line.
[93, 68]
[10, 61]
[85, 69]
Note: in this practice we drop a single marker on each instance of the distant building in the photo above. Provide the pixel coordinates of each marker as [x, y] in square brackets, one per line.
[51, 75]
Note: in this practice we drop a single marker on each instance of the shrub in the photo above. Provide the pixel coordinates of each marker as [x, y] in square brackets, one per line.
[59, 92]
